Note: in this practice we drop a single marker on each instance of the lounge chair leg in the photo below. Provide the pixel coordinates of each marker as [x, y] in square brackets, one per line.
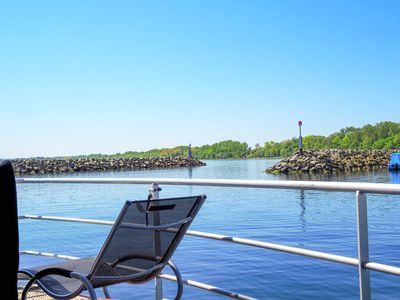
[106, 293]
[179, 281]
[87, 284]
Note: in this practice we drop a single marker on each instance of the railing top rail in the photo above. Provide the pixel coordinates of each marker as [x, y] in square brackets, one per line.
[375, 188]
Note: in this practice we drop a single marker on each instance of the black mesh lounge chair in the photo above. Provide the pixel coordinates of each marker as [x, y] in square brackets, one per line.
[139, 245]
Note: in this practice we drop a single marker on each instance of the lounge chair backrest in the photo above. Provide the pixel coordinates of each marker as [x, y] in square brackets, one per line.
[144, 237]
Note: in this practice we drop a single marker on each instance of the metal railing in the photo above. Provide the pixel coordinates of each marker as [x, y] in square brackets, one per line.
[361, 190]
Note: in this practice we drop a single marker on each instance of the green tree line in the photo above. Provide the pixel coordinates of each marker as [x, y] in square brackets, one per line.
[383, 135]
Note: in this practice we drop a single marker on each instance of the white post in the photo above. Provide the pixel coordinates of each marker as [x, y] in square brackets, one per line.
[300, 123]
[155, 194]
[363, 250]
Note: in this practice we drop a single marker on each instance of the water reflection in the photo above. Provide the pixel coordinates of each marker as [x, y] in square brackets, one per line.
[378, 176]
[302, 210]
[190, 170]
[394, 176]
[190, 175]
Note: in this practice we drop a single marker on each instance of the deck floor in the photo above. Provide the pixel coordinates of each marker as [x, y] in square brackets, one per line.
[36, 293]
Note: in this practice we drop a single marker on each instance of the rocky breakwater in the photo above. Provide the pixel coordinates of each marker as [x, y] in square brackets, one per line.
[329, 161]
[46, 166]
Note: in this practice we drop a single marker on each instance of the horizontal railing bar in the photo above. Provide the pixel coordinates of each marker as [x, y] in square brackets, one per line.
[248, 242]
[208, 287]
[189, 282]
[46, 254]
[277, 247]
[375, 188]
[99, 222]
[65, 219]
[383, 268]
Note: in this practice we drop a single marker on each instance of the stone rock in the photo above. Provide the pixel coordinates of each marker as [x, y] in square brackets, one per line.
[333, 160]
[38, 166]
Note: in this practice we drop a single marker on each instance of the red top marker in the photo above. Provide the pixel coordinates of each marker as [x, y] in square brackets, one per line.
[300, 123]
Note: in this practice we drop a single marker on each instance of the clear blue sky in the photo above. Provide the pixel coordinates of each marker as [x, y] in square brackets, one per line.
[80, 77]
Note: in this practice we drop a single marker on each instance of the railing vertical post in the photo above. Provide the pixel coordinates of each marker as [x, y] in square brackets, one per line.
[155, 191]
[155, 194]
[363, 249]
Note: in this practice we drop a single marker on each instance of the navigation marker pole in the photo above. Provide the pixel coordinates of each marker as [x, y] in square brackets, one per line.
[300, 139]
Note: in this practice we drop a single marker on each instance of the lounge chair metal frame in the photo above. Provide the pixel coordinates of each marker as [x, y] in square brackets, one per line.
[138, 277]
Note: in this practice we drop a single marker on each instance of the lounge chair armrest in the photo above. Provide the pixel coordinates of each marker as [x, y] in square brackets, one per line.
[60, 272]
[53, 271]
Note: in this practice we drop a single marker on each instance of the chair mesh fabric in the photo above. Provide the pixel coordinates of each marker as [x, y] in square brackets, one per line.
[131, 250]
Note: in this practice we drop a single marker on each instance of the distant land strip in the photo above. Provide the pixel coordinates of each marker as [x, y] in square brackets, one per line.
[50, 166]
[383, 135]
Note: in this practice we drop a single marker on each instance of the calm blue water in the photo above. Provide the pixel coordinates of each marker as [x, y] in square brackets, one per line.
[310, 219]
